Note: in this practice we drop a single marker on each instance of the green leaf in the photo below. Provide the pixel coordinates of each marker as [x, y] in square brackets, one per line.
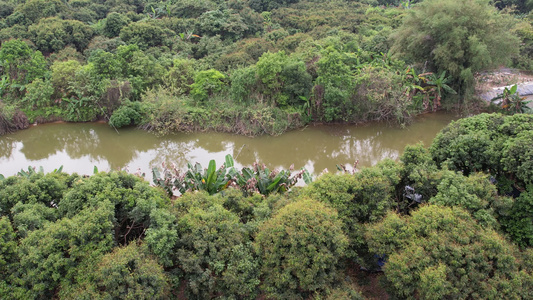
[272, 186]
[156, 175]
[248, 173]
[448, 89]
[95, 170]
[198, 168]
[211, 176]
[229, 161]
[513, 89]
[307, 177]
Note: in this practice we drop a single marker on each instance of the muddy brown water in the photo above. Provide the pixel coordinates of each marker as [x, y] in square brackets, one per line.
[80, 147]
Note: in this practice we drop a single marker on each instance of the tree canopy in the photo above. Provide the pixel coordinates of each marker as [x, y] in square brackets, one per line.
[459, 37]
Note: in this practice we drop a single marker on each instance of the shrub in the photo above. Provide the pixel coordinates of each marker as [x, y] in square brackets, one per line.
[440, 252]
[130, 113]
[11, 119]
[206, 84]
[360, 198]
[208, 246]
[126, 273]
[180, 76]
[39, 94]
[518, 223]
[433, 31]
[300, 247]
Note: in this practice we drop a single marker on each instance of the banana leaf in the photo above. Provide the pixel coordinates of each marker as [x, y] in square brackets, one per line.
[211, 176]
[307, 177]
[229, 161]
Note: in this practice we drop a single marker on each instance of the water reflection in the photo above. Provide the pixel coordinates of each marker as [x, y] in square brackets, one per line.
[79, 147]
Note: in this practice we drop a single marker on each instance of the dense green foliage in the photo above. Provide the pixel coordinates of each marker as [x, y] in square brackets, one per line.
[442, 252]
[245, 66]
[435, 228]
[300, 247]
[499, 145]
[442, 228]
[461, 37]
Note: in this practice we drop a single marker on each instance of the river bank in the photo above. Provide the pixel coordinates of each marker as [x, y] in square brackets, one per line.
[81, 146]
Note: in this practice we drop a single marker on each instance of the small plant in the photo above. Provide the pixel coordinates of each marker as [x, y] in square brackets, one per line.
[257, 179]
[31, 170]
[195, 178]
[511, 102]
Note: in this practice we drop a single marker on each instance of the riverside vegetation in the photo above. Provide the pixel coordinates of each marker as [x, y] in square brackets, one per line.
[249, 67]
[450, 221]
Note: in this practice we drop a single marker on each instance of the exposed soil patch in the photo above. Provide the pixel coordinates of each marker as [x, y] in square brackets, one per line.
[367, 283]
[488, 80]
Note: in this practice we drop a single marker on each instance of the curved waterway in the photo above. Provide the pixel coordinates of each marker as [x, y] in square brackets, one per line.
[80, 147]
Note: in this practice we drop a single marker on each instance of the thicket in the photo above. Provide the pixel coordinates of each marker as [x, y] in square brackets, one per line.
[248, 67]
[436, 229]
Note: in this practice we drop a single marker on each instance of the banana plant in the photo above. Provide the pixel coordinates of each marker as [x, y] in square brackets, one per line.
[195, 178]
[257, 179]
[511, 101]
[210, 179]
[165, 181]
[306, 107]
[440, 85]
[413, 88]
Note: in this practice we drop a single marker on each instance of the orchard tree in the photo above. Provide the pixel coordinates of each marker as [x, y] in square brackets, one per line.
[34, 10]
[360, 198]
[132, 198]
[53, 34]
[60, 251]
[208, 245]
[443, 253]
[519, 222]
[460, 37]
[488, 142]
[20, 63]
[126, 273]
[145, 34]
[300, 248]
[8, 247]
[114, 23]
[267, 5]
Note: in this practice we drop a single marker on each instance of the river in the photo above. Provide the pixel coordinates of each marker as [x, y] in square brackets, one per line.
[79, 147]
